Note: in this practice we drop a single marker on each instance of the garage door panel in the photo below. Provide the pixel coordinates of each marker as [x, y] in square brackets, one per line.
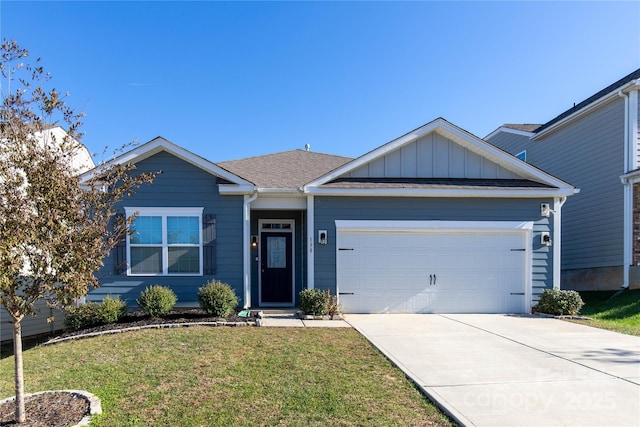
[446, 272]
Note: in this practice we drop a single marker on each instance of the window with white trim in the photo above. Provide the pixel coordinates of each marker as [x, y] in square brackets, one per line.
[165, 241]
[522, 155]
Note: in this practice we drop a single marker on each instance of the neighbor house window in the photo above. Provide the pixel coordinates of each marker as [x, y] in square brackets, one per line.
[522, 155]
[165, 241]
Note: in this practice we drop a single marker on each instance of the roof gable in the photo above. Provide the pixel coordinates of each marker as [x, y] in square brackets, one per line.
[439, 150]
[160, 144]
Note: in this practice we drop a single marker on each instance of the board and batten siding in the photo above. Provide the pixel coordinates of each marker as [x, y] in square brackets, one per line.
[330, 209]
[588, 153]
[182, 185]
[432, 156]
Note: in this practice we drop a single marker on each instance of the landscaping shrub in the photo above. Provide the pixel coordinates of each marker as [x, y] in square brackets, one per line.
[560, 302]
[217, 298]
[93, 314]
[80, 316]
[111, 310]
[157, 300]
[314, 301]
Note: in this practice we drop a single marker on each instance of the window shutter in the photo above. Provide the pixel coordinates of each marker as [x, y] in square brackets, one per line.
[209, 244]
[120, 251]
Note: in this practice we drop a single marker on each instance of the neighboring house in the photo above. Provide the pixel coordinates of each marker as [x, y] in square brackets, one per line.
[437, 220]
[595, 146]
[41, 324]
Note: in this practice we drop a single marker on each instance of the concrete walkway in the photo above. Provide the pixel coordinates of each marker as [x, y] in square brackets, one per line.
[501, 370]
[291, 320]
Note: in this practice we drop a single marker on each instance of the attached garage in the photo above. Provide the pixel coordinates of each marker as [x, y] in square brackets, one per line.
[434, 266]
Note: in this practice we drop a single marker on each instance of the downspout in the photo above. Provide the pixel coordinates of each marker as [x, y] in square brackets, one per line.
[628, 196]
[246, 250]
[558, 202]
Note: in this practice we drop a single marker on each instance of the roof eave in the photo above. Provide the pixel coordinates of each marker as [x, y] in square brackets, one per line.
[609, 97]
[443, 192]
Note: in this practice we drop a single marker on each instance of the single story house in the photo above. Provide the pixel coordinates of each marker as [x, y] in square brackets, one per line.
[437, 220]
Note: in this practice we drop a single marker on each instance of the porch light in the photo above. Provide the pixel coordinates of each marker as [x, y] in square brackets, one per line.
[254, 241]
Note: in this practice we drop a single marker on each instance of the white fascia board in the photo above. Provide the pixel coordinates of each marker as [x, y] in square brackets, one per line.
[160, 144]
[412, 226]
[503, 129]
[630, 177]
[611, 96]
[461, 137]
[421, 192]
[284, 203]
[234, 189]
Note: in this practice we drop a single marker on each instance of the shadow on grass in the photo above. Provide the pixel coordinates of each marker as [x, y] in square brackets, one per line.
[6, 348]
[609, 306]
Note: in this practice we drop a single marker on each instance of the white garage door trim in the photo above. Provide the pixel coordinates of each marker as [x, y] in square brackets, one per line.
[525, 227]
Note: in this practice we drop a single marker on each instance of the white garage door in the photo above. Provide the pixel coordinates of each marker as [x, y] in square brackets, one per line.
[432, 271]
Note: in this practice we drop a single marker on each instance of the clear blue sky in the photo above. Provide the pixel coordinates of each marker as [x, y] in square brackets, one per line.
[234, 79]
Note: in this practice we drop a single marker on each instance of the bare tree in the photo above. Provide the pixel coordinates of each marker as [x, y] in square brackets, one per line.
[54, 233]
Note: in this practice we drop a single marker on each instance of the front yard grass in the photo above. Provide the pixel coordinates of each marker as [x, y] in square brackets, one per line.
[619, 313]
[201, 376]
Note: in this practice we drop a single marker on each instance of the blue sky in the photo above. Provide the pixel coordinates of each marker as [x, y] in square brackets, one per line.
[234, 79]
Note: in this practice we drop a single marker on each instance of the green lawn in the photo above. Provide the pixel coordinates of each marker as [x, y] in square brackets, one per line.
[223, 376]
[619, 313]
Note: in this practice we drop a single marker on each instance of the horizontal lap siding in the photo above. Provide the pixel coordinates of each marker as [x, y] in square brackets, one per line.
[589, 154]
[32, 325]
[330, 209]
[183, 185]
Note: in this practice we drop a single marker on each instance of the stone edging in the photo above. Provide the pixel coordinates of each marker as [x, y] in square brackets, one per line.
[95, 407]
[302, 315]
[158, 326]
[563, 316]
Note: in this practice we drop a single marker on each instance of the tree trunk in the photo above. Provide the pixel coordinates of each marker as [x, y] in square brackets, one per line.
[21, 416]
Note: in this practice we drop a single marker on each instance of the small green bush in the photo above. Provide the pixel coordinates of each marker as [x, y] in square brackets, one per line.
[92, 314]
[560, 302]
[217, 298]
[111, 310]
[314, 302]
[82, 316]
[157, 300]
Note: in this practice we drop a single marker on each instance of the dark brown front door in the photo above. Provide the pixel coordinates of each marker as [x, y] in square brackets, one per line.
[276, 280]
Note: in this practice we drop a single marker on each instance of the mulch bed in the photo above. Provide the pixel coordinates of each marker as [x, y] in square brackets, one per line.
[47, 410]
[139, 318]
[64, 409]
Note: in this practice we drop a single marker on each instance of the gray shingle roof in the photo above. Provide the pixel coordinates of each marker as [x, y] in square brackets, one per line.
[285, 170]
[525, 127]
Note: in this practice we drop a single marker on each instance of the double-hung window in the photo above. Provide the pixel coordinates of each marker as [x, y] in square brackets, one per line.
[165, 241]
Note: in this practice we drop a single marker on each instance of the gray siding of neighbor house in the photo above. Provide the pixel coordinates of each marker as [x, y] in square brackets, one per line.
[511, 143]
[300, 254]
[182, 185]
[589, 154]
[330, 209]
[432, 156]
[32, 325]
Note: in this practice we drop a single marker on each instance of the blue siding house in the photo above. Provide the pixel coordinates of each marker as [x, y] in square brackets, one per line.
[595, 145]
[437, 220]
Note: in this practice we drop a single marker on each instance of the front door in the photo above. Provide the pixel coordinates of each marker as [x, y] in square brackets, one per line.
[276, 268]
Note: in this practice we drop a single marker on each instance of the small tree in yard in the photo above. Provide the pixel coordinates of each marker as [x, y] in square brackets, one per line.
[54, 233]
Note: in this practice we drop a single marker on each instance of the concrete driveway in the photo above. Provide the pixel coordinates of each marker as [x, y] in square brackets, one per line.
[502, 370]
